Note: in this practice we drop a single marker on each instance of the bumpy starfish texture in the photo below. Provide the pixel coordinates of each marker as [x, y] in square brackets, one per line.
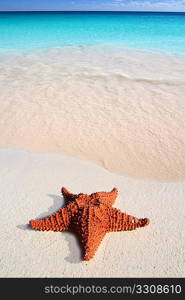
[90, 217]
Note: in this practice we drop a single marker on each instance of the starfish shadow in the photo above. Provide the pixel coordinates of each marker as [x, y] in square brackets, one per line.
[74, 248]
[23, 227]
[58, 202]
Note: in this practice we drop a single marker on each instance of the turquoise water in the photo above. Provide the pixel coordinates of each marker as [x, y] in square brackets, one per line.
[149, 31]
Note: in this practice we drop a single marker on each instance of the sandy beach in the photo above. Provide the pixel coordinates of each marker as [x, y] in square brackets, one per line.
[92, 118]
[30, 188]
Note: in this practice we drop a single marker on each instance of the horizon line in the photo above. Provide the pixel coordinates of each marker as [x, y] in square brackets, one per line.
[92, 11]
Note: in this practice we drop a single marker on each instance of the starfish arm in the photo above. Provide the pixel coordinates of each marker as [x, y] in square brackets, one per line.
[107, 198]
[59, 221]
[68, 196]
[119, 221]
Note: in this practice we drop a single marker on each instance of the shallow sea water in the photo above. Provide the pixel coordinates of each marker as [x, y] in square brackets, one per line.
[147, 31]
[121, 108]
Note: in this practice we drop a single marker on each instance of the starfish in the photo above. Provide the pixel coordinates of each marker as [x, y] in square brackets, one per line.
[90, 217]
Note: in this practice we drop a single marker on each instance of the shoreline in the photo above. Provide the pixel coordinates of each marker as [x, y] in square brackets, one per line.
[114, 46]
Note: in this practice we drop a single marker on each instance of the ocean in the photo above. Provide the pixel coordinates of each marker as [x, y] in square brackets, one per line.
[138, 30]
[106, 87]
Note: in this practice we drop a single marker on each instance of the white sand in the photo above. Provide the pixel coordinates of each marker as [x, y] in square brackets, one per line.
[30, 188]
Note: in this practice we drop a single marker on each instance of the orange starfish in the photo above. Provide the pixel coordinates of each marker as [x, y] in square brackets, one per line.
[90, 217]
